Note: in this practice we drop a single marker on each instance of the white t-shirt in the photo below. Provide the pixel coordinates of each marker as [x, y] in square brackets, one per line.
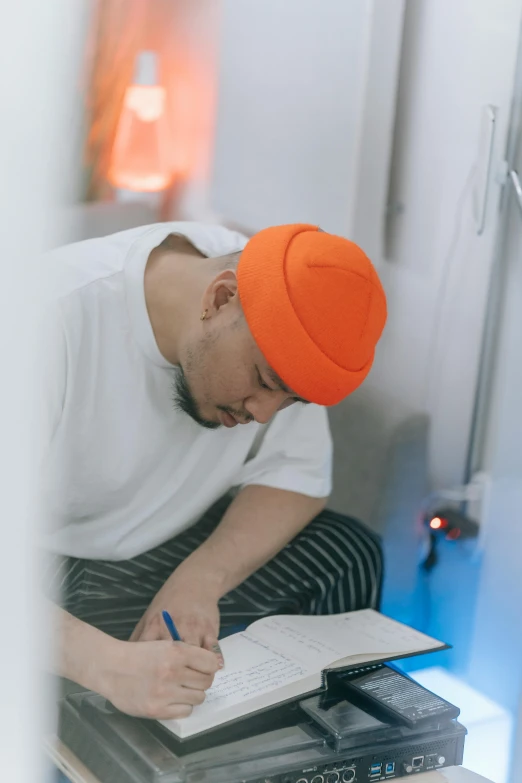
[123, 470]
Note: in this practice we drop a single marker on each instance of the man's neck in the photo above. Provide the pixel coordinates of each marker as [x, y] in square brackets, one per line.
[170, 290]
[179, 244]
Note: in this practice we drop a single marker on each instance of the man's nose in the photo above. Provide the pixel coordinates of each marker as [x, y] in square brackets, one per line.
[265, 405]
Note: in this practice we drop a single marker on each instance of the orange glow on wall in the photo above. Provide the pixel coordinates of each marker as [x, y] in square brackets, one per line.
[140, 157]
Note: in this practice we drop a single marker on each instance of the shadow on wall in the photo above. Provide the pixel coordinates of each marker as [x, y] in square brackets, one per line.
[380, 477]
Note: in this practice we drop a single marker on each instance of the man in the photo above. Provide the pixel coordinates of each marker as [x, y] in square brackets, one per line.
[188, 364]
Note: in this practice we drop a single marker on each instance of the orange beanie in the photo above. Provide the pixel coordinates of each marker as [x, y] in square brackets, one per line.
[315, 306]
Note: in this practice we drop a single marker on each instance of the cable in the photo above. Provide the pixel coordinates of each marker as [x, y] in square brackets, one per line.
[433, 347]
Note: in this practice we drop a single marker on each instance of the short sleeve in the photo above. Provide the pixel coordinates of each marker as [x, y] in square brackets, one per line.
[295, 453]
[52, 371]
[52, 364]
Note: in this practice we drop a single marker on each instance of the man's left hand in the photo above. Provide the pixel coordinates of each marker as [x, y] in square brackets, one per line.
[195, 614]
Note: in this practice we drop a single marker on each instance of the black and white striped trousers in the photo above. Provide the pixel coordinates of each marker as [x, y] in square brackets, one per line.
[333, 565]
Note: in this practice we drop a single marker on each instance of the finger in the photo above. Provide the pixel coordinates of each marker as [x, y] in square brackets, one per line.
[192, 696]
[211, 643]
[174, 712]
[192, 637]
[201, 660]
[197, 680]
[175, 695]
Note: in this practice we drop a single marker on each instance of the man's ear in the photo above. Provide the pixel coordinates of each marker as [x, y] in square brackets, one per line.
[222, 291]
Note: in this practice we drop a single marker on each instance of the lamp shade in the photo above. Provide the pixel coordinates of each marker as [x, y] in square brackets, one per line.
[139, 159]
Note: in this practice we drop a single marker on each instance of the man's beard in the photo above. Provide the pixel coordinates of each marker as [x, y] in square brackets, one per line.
[185, 401]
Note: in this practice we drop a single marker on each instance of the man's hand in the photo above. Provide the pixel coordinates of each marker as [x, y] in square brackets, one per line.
[195, 613]
[159, 679]
[152, 679]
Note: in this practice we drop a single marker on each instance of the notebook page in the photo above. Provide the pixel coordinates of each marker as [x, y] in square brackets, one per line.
[321, 640]
[253, 669]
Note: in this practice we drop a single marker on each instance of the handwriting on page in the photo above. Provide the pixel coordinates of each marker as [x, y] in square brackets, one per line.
[257, 669]
[319, 641]
[382, 633]
[257, 679]
[300, 640]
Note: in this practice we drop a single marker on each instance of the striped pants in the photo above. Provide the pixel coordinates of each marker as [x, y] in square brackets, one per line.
[333, 565]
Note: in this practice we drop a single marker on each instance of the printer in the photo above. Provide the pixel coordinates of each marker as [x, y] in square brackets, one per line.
[372, 724]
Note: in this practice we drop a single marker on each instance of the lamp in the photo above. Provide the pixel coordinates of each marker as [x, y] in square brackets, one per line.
[139, 159]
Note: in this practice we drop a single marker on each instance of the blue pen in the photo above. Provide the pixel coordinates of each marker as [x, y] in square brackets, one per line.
[169, 622]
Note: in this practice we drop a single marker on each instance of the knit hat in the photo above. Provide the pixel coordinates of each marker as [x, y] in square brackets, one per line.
[315, 306]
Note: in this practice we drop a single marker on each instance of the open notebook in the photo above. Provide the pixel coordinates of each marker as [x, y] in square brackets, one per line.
[281, 658]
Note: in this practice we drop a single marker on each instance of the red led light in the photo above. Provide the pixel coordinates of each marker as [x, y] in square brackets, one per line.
[438, 523]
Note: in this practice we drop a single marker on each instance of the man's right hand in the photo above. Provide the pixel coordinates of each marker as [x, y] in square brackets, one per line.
[160, 679]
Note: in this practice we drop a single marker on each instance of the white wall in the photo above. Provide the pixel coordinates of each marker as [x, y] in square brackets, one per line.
[458, 57]
[287, 133]
[496, 660]
[293, 106]
[298, 115]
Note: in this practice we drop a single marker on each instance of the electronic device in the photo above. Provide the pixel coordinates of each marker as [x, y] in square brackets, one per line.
[321, 739]
[393, 695]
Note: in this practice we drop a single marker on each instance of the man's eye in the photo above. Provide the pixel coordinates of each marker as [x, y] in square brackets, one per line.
[261, 381]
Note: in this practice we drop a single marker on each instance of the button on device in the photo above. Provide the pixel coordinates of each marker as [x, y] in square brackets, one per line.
[441, 760]
[407, 768]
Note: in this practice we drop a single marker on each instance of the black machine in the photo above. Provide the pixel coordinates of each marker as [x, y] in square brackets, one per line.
[372, 724]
